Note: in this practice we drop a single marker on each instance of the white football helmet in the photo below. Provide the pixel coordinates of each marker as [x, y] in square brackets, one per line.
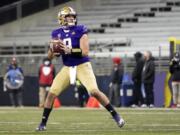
[63, 13]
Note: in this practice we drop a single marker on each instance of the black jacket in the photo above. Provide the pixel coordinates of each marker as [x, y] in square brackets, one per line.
[148, 73]
[174, 69]
[137, 72]
[117, 75]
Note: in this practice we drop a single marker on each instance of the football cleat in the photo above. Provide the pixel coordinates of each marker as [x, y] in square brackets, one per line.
[41, 127]
[134, 106]
[143, 105]
[151, 106]
[120, 121]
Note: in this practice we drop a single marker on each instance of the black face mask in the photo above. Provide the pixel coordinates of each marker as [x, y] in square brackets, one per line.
[14, 65]
[47, 63]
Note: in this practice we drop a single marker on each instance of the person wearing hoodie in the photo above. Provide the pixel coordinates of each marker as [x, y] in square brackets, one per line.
[148, 77]
[175, 71]
[136, 77]
[116, 82]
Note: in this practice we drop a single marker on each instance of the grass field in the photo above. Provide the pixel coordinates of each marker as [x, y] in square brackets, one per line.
[82, 121]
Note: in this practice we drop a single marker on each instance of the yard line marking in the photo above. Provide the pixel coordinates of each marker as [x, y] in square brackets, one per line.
[90, 123]
[59, 130]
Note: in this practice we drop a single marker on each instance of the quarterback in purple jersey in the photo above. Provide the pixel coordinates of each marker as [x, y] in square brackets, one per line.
[76, 65]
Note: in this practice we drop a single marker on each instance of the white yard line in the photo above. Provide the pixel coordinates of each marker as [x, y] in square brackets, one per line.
[89, 123]
[59, 130]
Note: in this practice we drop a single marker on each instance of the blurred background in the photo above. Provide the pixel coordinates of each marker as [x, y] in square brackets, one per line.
[117, 28]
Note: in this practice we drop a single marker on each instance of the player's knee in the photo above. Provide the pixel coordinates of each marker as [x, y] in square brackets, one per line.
[95, 92]
[50, 99]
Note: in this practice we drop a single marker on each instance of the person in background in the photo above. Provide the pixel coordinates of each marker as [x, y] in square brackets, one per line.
[148, 77]
[116, 81]
[46, 76]
[81, 94]
[175, 71]
[13, 82]
[136, 77]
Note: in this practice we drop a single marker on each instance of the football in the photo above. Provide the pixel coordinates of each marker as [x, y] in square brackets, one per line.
[56, 47]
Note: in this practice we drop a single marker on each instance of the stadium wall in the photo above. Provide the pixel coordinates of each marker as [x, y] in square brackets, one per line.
[30, 93]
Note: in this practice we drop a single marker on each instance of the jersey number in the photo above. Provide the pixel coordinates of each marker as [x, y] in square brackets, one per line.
[67, 42]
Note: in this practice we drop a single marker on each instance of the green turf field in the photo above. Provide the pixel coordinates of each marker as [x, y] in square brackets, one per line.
[81, 121]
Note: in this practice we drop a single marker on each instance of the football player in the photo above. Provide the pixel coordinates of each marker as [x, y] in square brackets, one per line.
[76, 48]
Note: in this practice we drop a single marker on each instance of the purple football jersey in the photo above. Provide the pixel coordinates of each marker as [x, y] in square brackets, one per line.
[71, 38]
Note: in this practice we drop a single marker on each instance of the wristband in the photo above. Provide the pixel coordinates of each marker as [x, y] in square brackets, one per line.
[76, 52]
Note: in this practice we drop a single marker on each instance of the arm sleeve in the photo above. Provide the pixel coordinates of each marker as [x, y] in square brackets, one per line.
[151, 70]
[39, 72]
[121, 72]
[54, 72]
[134, 73]
[8, 68]
[20, 69]
[54, 35]
[83, 30]
[171, 68]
